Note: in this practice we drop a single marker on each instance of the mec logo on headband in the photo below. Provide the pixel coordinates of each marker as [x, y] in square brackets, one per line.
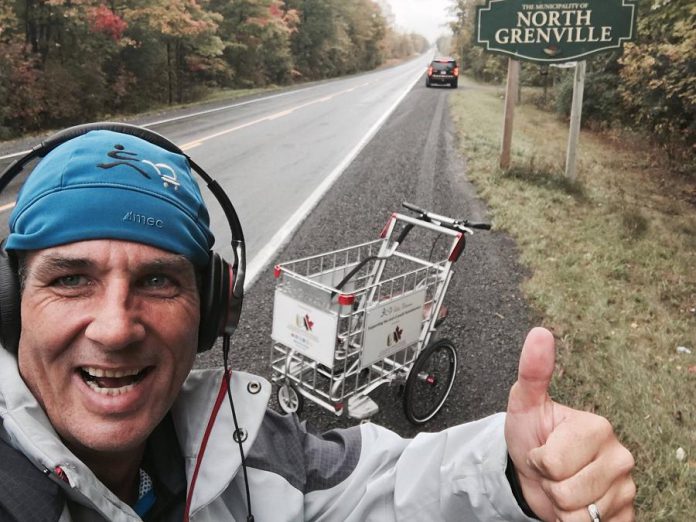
[129, 159]
[141, 219]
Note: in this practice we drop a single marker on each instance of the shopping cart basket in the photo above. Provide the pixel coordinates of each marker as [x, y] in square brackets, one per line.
[350, 320]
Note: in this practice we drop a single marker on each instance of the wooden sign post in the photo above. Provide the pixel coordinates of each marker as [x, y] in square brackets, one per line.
[513, 78]
[575, 117]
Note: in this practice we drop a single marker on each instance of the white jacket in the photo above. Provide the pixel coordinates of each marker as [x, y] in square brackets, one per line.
[366, 473]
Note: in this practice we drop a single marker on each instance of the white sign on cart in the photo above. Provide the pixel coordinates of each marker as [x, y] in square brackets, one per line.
[304, 328]
[392, 326]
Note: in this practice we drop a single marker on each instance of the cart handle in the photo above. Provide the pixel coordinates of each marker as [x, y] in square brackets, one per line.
[459, 225]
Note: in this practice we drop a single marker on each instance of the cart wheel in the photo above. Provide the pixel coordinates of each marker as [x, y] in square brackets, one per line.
[430, 381]
[289, 399]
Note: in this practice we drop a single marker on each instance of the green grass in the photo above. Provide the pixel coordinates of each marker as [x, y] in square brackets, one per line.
[613, 263]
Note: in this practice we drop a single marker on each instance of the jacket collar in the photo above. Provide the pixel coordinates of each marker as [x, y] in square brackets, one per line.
[205, 427]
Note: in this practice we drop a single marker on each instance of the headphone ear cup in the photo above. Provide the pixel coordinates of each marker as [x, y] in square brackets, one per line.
[10, 319]
[214, 301]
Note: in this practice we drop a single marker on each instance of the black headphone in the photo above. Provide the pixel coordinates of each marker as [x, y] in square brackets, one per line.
[222, 287]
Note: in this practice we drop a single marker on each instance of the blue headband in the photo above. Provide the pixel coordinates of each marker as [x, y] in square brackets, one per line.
[110, 185]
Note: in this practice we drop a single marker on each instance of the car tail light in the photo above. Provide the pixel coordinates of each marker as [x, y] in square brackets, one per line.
[430, 71]
[456, 71]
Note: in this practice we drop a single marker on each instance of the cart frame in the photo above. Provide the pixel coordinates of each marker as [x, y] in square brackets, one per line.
[350, 320]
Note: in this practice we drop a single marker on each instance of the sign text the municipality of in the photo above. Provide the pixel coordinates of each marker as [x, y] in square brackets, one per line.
[550, 31]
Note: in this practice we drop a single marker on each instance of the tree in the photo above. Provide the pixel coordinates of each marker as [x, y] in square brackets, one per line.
[54, 55]
[316, 30]
[482, 65]
[256, 36]
[186, 34]
[70, 61]
[658, 73]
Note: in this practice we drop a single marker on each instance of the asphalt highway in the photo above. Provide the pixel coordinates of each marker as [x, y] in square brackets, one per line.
[322, 167]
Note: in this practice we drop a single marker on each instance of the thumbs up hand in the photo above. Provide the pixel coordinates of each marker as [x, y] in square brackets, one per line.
[565, 459]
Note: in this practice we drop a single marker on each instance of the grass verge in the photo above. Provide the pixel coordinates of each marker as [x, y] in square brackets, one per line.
[613, 263]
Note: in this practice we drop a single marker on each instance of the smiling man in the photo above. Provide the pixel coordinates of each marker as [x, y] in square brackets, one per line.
[103, 418]
[107, 341]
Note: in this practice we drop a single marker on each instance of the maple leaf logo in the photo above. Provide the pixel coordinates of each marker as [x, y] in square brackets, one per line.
[394, 337]
[308, 323]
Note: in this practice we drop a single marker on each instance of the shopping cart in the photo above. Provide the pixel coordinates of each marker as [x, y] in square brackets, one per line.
[348, 321]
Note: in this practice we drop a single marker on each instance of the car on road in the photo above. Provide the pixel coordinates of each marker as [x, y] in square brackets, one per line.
[443, 71]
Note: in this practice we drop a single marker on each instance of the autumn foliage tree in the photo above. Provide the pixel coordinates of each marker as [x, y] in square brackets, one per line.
[335, 37]
[658, 72]
[256, 36]
[172, 36]
[67, 61]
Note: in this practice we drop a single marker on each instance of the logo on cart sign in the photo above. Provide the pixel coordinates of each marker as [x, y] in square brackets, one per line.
[394, 337]
[303, 321]
[387, 311]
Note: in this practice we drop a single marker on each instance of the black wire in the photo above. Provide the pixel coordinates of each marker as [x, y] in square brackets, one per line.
[432, 249]
[225, 359]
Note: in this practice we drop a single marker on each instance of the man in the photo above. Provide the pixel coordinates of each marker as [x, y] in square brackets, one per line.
[103, 417]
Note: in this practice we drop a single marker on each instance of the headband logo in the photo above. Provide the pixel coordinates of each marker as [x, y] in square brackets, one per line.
[129, 159]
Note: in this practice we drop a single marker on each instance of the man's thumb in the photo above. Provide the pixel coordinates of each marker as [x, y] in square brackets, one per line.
[536, 368]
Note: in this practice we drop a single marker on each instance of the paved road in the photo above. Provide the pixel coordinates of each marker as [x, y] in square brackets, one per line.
[413, 157]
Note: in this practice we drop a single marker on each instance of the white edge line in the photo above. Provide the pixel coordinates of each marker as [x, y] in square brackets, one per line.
[280, 238]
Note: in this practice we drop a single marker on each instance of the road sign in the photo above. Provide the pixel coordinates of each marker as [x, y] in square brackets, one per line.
[548, 31]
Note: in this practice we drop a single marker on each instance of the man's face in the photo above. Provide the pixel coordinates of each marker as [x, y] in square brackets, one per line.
[109, 333]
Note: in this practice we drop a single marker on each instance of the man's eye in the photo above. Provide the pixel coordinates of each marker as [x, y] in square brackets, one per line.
[70, 281]
[158, 281]
[160, 285]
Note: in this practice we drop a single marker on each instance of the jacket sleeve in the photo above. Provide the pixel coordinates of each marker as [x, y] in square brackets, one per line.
[455, 474]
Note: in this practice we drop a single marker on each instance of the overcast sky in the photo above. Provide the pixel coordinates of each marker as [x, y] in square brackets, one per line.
[422, 16]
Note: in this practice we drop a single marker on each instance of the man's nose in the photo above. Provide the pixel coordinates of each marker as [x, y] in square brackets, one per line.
[117, 319]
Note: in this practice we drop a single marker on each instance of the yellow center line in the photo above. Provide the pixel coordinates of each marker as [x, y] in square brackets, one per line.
[199, 141]
[191, 145]
[279, 114]
[196, 143]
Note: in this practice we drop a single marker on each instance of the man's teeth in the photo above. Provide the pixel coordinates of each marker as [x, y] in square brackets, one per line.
[111, 382]
[98, 372]
[110, 391]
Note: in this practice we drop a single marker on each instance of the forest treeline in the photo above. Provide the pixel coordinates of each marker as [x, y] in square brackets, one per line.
[651, 86]
[67, 61]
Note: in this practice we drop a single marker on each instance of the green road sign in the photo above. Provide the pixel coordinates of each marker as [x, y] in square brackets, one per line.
[549, 31]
